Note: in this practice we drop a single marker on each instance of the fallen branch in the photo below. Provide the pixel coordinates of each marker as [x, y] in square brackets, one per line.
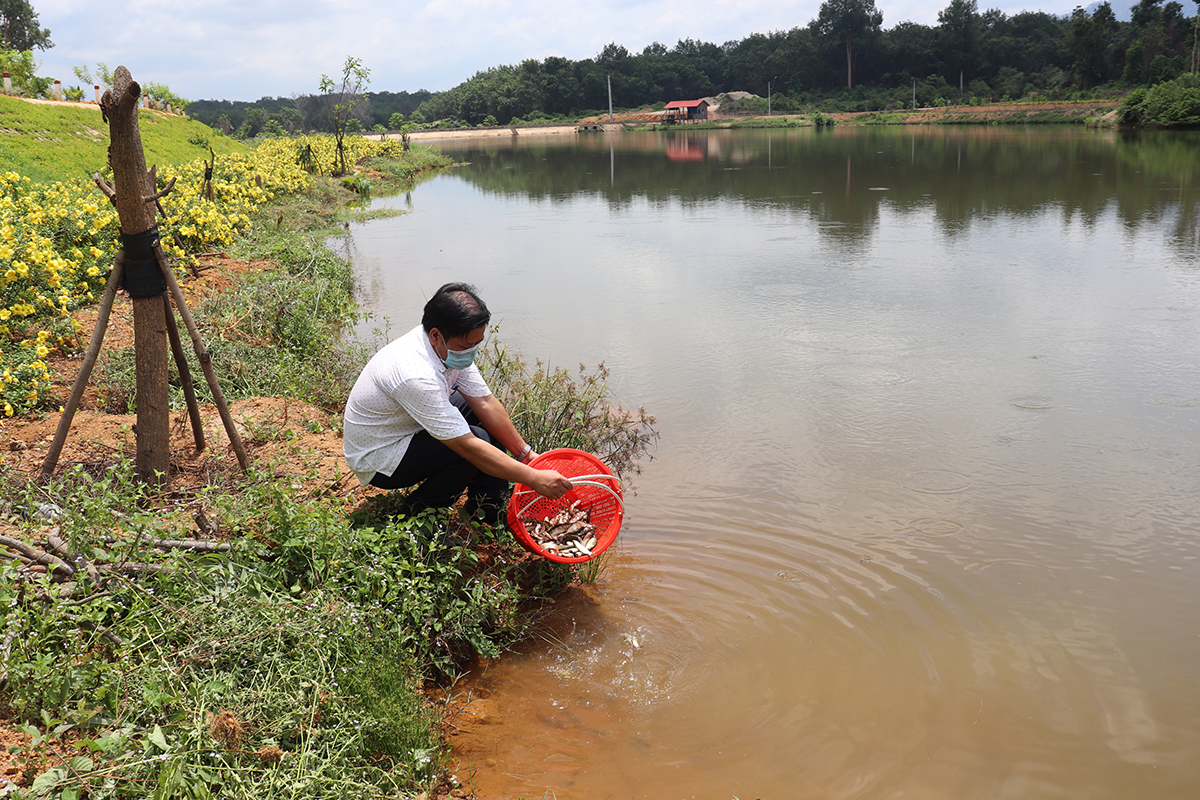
[38, 556]
[95, 627]
[135, 568]
[59, 548]
[193, 544]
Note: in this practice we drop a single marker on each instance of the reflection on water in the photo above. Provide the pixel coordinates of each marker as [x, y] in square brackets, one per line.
[922, 522]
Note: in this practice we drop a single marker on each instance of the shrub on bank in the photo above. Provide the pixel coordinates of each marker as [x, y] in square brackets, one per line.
[1172, 104]
[56, 249]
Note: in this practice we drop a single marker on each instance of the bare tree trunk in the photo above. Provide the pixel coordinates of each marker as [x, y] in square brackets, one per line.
[849, 64]
[1195, 41]
[135, 206]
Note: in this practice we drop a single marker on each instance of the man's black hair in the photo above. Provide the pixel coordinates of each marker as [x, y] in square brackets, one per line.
[455, 309]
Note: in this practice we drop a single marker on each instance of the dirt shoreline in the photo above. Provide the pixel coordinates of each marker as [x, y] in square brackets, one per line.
[490, 133]
[993, 113]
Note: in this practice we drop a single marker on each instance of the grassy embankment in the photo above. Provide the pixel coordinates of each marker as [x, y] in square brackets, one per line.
[291, 659]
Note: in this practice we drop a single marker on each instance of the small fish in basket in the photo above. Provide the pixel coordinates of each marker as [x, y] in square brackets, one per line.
[568, 533]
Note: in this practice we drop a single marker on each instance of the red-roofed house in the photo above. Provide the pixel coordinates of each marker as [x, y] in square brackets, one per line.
[685, 111]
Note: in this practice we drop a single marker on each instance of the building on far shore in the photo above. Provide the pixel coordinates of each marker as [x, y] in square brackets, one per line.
[685, 111]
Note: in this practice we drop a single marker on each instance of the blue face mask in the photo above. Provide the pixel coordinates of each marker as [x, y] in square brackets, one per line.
[460, 359]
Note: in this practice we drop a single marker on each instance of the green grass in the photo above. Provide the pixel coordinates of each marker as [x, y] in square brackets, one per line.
[56, 143]
[294, 642]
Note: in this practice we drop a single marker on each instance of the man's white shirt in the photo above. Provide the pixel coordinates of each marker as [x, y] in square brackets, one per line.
[404, 389]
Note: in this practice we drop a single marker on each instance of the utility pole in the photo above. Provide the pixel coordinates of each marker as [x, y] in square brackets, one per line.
[610, 116]
[769, 95]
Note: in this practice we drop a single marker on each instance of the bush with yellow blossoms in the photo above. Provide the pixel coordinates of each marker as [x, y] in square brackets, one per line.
[58, 241]
[242, 183]
[56, 246]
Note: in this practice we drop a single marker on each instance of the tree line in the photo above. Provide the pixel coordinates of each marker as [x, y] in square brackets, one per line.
[303, 112]
[843, 59]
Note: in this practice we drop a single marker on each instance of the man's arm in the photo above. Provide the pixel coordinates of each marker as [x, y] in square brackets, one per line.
[493, 416]
[489, 459]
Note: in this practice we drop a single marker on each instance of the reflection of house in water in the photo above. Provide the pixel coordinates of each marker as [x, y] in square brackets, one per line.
[685, 150]
[685, 111]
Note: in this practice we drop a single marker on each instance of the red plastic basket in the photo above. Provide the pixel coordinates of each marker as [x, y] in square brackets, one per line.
[596, 489]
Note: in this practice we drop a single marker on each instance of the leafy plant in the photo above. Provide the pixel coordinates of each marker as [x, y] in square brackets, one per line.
[21, 68]
[163, 94]
[1170, 104]
[553, 409]
[102, 76]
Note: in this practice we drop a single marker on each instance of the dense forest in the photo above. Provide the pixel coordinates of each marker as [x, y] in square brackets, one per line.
[842, 60]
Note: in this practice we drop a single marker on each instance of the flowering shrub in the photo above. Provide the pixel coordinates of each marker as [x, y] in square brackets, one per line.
[58, 241]
[56, 246]
[318, 154]
[242, 183]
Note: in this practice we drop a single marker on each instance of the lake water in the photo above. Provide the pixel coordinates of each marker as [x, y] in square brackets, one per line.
[924, 519]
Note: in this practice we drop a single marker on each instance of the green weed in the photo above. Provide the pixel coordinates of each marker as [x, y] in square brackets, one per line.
[553, 409]
[293, 660]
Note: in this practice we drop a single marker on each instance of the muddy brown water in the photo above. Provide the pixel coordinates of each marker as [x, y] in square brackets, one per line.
[923, 520]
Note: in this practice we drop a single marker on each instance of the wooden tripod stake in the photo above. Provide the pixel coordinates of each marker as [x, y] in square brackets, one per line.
[133, 194]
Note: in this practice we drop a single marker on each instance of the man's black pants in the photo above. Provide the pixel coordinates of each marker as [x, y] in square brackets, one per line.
[441, 475]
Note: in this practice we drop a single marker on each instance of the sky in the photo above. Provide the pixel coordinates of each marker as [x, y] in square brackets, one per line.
[247, 49]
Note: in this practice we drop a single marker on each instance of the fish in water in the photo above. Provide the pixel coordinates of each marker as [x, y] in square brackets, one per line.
[569, 533]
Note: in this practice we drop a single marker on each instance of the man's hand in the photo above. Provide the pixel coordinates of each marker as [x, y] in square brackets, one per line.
[549, 483]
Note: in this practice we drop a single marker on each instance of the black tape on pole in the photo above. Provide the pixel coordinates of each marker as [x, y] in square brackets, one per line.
[143, 277]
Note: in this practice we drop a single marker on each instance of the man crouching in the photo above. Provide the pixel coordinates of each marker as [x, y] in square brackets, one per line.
[420, 414]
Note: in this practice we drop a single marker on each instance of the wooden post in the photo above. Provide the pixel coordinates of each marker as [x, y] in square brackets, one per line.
[85, 369]
[135, 207]
[185, 375]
